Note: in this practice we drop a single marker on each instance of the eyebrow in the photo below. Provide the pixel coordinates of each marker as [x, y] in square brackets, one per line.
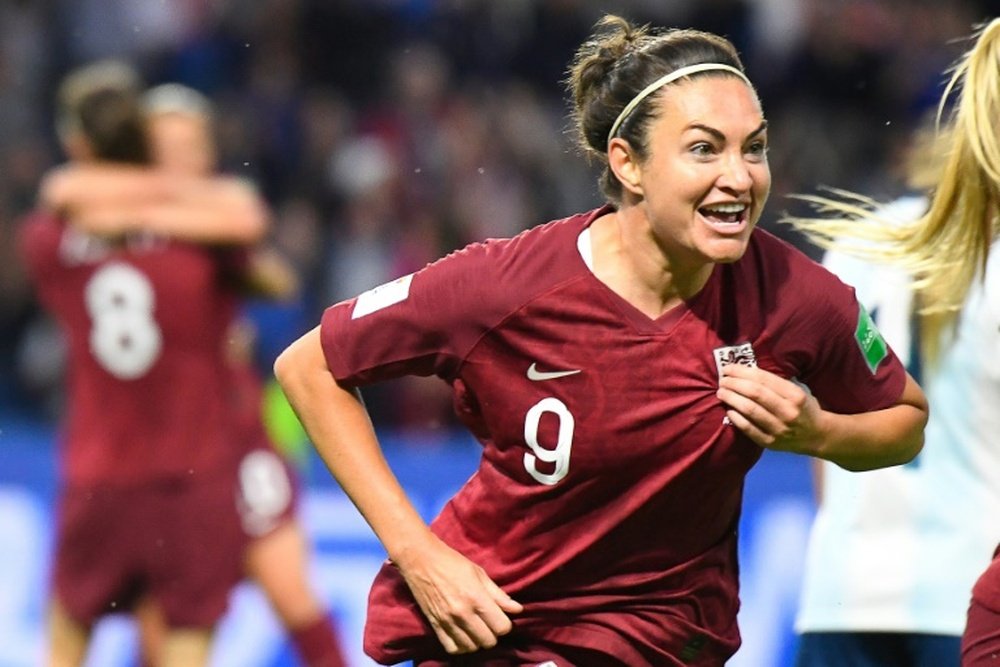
[719, 136]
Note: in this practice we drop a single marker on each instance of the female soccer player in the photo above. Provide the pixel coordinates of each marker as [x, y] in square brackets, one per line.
[146, 456]
[178, 121]
[277, 552]
[623, 369]
[893, 556]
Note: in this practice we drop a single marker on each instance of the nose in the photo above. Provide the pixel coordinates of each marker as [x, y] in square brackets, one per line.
[735, 174]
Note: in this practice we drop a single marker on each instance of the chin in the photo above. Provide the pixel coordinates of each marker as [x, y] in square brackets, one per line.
[728, 251]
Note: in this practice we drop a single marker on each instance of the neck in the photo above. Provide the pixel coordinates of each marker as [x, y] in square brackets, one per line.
[630, 260]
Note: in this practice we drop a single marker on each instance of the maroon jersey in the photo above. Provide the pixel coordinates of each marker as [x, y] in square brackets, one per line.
[981, 639]
[987, 589]
[144, 321]
[609, 488]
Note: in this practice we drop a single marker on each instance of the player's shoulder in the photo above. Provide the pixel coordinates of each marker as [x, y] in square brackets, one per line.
[779, 260]
[37, 231]
[787, 278]
[39, 221]
[533, 260]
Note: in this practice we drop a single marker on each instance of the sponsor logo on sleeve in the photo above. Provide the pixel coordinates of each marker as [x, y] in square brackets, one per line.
[382, 296]
[870, 341]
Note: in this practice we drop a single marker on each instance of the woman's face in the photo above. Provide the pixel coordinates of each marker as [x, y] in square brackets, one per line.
[705, 179]
[182, 143]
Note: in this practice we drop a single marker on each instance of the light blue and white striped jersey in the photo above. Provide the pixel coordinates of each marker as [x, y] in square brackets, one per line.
[898, 549]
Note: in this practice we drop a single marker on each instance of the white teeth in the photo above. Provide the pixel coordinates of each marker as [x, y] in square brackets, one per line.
[726, 208]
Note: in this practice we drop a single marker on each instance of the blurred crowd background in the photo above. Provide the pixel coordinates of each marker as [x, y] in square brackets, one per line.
[384, 133]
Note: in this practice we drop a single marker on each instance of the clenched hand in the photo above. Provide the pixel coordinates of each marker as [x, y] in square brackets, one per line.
[773, 412]
[466, 609]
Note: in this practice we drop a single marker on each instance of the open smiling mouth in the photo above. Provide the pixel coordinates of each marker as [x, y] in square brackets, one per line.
[727, 218]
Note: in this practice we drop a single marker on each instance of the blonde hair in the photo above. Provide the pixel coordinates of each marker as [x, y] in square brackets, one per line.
[175, 98]
[946, 249]
[86, 81]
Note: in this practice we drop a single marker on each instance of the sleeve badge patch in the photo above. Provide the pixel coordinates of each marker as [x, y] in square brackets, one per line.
[872, 345]
[382, 296]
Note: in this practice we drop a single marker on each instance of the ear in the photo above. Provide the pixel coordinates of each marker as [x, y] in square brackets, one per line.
[625, 165]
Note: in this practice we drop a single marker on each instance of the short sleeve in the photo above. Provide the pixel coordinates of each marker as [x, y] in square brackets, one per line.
[850, 368]
[424, 323]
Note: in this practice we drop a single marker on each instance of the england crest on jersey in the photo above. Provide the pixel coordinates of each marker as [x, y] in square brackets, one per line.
[734, 354]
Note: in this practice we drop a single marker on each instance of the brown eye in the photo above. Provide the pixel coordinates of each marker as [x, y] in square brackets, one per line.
[702, 149]
[757, 149]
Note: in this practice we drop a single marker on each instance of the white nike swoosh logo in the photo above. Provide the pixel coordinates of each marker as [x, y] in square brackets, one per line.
[535, 375]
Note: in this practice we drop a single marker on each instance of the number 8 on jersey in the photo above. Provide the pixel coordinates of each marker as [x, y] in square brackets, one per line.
[124, 339]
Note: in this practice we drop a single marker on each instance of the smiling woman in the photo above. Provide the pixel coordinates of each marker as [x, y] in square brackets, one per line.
[698, 193]
[622, 369]
[685, 160]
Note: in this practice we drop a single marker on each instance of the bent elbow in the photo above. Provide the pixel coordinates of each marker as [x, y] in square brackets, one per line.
[915, 443]
[911, 449]
[282, 368]
[904, 451]
[297, 360]
[916, 446]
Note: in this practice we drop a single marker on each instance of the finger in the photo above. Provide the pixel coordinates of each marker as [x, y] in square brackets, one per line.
[779, 406]
[749, 429]
[464, 629]
[504, 601]
[448, 642]
[495, 618]
[779, 385]
[498, 622]
[493, 614]
[750, 410]
[739, 370]
[478, 631]
[752, 388]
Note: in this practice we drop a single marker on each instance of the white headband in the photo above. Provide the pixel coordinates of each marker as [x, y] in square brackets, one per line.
[664, 80]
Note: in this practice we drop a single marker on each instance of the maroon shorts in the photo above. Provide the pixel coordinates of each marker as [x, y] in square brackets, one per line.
[268, 491]
[527, 656]
[178, 542]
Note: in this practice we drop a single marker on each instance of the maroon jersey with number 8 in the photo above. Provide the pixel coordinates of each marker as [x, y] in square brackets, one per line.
[144, 321]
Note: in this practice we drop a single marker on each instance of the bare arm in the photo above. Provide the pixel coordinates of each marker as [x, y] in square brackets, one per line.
[114, 199]
[77, 184]
[271, 276]
[778, 414]
[465, 608]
